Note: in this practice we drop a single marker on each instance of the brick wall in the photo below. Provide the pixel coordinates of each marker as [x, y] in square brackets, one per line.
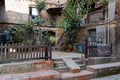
[117, 12]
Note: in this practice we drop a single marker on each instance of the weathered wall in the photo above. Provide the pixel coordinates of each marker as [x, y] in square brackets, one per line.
[81, 36]
[117, 12]
[2, 13]
[17, 11]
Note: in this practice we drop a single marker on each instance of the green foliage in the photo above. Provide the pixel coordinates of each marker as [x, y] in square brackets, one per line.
[39, 20]
[22, 32]
[73, 13]
[52, 39]
[104, 2]
[40, 5]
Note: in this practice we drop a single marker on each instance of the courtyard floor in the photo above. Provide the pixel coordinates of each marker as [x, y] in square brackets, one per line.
[58, 54]
[112, 77]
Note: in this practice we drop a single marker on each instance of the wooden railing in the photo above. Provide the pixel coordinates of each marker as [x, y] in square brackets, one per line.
[10, 53]
[94, 47]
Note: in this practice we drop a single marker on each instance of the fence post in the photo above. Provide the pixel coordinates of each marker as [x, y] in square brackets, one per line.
[86, 42]
[46, 50]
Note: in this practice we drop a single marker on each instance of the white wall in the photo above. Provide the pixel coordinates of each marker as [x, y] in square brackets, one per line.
[17, 11]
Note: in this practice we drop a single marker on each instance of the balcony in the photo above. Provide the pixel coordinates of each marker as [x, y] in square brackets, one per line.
[96, 17]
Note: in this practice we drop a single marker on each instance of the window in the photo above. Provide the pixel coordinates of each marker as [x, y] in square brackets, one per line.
[92, 32]
[33, 12]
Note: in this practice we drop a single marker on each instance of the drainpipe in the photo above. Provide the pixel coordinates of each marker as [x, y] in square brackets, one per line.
[108, 30]
[108, 25]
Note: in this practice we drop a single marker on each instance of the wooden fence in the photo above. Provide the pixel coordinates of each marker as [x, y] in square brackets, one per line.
[10, 53]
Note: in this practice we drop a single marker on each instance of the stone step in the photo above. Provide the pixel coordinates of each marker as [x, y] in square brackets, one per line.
[82, 75]
[61, 67]
[78, 61]
[59, 64]
[105, 69]
[82, 66]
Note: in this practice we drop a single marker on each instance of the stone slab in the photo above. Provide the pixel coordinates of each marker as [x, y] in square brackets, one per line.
[105, 69]
[98, 60]
[72, 65]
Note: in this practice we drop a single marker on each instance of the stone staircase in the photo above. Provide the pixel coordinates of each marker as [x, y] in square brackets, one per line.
[60, 65]
[65, 65]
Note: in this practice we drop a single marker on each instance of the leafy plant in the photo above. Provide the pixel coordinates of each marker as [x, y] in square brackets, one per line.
[39, 20]
[40, 5]
[104, 2]
[52, 39]
[23, 32]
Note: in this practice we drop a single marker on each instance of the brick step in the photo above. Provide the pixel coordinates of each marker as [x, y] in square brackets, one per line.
[41, 75]
[24, 67]
[49, 75]
[82, 75]
[105, 69]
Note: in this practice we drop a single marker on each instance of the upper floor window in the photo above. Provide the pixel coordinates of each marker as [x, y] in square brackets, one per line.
[33, 12]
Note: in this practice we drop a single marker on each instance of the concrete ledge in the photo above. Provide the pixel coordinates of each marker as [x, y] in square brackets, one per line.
[83, 75]
[98, 60]
[105, 69]
[42, 75]
[27, 66]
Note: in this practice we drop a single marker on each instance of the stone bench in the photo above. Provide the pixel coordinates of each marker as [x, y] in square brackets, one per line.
[105, 69]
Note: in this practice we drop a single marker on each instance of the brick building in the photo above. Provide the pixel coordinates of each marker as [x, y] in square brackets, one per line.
[103, 22]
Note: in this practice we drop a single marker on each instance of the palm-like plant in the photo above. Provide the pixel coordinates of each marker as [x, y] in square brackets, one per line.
[40, 5]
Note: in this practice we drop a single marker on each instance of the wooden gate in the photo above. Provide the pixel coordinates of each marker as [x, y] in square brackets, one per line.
[94, 47]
